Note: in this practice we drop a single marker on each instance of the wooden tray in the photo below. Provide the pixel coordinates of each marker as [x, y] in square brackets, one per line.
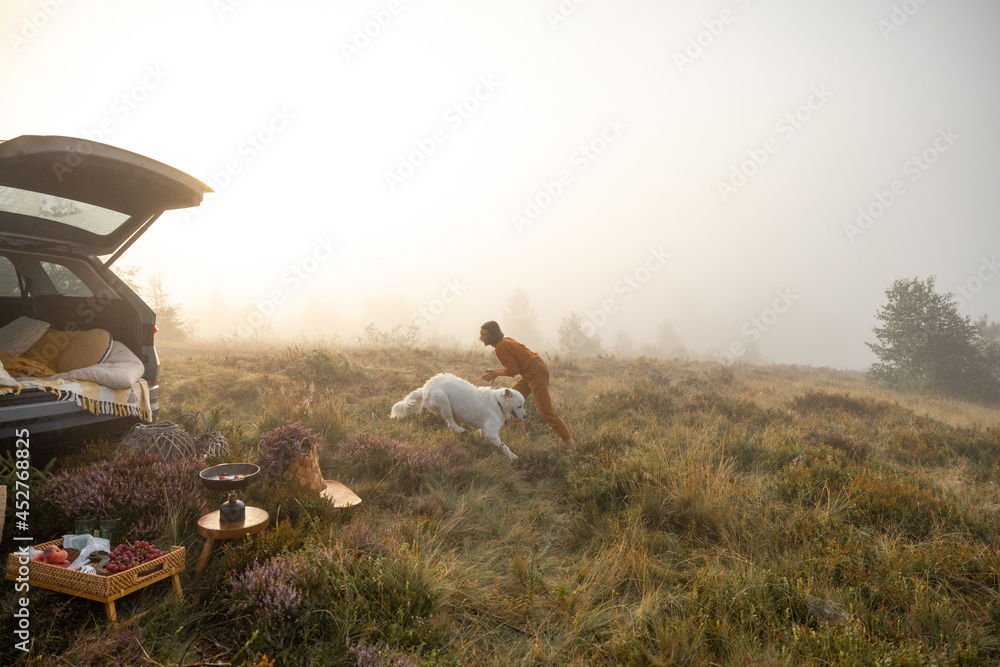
[102, 588]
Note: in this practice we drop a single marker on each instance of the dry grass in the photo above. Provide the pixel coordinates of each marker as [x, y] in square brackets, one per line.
[740, 516]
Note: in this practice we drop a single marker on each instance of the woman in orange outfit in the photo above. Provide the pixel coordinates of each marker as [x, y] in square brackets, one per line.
[519, 360]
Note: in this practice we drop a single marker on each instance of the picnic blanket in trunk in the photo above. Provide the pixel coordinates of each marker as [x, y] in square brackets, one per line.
[98, 399]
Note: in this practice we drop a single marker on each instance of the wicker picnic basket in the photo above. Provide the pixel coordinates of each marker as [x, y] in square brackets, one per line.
[97, 585]
[171, 440]
[209, 444]
[166, 439]
[305, 468]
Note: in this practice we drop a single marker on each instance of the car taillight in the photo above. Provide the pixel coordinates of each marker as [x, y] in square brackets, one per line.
[156, 329]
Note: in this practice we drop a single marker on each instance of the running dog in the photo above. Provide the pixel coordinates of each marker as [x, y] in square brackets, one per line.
[458, 400]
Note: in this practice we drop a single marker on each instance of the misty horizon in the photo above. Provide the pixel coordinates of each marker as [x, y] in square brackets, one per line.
[751, 177]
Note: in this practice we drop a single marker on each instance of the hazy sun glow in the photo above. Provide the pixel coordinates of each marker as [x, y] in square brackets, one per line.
[635, 162]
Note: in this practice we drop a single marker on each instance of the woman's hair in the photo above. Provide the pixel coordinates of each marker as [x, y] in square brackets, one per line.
[492, 329]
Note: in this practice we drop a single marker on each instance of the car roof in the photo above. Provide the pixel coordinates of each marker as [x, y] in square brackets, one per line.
[85, 196]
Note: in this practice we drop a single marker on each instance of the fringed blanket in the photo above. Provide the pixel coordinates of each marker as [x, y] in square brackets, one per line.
[98, 399]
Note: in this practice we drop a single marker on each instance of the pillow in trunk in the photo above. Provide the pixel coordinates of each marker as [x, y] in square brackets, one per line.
[17, 336]
[50, 347]
[87, 348]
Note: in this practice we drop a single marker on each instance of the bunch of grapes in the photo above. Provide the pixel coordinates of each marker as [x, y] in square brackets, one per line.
[126, 556]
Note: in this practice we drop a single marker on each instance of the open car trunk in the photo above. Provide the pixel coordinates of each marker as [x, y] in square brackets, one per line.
[68, 208]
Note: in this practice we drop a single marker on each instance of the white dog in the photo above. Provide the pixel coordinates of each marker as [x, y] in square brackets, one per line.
[457, 400]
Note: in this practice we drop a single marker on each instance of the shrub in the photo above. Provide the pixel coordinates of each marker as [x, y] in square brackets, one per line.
[855, 449]
[897, 505]
[121, 646]
[280, 446]
[142, 489]
[819, 401]
[368, 655]
[538, 464]
[272, 593]
[319, 366]
[343, 595]
[372, 456]
[613, 404]
[813, 480]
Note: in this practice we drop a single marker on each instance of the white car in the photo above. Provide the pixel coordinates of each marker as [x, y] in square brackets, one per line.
[68, 209]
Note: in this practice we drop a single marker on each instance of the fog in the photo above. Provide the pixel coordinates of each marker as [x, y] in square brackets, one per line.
[741, 179]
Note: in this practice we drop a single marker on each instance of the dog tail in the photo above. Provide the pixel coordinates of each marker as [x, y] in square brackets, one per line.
[414, 401]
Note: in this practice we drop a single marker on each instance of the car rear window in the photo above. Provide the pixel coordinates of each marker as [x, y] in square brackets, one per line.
[90, 218]
[66, 282]
[9, 285]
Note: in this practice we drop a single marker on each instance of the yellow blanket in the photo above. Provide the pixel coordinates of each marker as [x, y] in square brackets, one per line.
[23, 367]
[98, 399]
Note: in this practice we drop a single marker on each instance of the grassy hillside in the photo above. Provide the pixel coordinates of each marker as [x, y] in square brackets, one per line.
[742, 516]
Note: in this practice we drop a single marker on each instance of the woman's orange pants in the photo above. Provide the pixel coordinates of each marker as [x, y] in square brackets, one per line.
[535, 380]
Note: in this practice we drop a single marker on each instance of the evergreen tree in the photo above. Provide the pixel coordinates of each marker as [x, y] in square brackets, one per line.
[574, 341]
[521, 321]
[924, 344]
[169, 321]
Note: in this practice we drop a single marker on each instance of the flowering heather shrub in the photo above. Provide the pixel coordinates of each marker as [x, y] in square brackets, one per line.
[856, 450]
[280, 446]
[120, 647]
[271, 592]
[373, 456]
[378, 656]
[142, 489]
[538, 464]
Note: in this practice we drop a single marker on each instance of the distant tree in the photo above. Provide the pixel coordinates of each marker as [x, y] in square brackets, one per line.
[623, 344]
[171, 325]
[395, 338]
[988, 331]
[574, 339]
[988, 344]
[521, 320]
[129, 275]
[925, 344]
[668, 341]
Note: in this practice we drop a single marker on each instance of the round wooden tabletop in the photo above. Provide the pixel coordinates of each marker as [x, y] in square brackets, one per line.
[210, 526]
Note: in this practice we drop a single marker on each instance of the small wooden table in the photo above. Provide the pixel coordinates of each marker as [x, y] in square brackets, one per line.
[213, 530]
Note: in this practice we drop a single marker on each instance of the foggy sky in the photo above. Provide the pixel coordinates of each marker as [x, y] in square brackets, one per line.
[746, 170]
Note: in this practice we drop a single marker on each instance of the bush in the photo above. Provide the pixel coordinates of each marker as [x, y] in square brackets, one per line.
[403, 465]
[280, 446]
[144, 490]
[813, 402]
[341, 594]
[272, 593]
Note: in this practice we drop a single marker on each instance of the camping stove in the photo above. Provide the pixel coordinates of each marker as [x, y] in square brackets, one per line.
[230, 477]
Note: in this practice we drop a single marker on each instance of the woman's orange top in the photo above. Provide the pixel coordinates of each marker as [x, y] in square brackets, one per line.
[514, 356]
